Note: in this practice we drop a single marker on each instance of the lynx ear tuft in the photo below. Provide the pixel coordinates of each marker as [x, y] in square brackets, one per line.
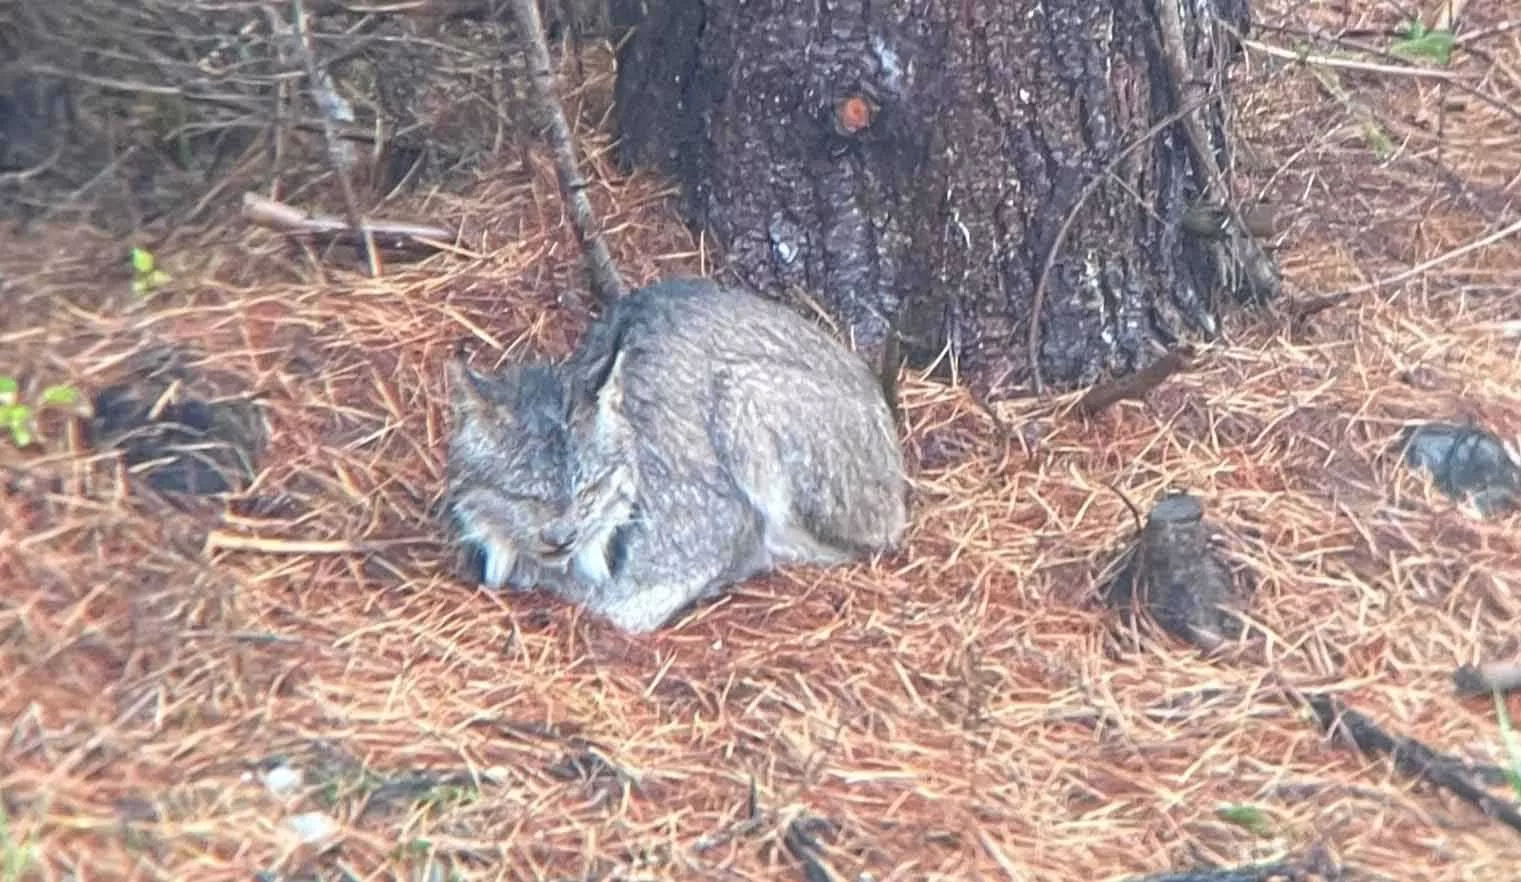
[598, 394]
[465, 395]
[610, 393]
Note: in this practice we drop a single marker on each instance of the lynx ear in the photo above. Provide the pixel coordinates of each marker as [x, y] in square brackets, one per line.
[610, 392]
[601, 389]
[465, 395]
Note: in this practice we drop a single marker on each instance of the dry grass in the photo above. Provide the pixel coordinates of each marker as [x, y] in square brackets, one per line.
[960, 711]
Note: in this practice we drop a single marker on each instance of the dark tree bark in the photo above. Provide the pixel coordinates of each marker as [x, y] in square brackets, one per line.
[912, 164]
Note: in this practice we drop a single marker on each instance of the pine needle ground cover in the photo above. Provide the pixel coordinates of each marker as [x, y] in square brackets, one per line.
[292, 684]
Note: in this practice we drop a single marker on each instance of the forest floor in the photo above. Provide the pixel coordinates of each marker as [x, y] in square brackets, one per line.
[293, 685]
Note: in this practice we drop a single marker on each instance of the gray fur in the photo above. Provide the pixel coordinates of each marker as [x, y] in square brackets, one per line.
[698, 436]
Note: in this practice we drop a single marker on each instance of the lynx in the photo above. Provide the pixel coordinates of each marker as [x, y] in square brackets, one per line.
[699, 436]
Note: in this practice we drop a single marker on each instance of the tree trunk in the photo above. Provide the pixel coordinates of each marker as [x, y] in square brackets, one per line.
[913, 164]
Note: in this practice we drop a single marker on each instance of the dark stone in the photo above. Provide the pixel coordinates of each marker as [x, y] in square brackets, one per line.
[1467, 462]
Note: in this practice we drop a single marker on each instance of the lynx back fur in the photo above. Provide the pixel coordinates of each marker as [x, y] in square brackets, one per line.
[699, 436]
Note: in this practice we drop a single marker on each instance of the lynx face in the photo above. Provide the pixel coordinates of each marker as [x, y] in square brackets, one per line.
[509, 498]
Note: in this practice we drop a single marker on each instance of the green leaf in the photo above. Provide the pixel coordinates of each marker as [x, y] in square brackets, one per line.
[1512, 744]
[8, 390]
[15, 858]
[1249, 817]
[142, 261]
[1435, 46]
[144, 283]
[63, 396]
[21, 433]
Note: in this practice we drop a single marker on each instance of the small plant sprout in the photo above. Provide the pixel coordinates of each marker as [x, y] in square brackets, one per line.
[146, 276]
[1248, 817]
[1418, 41]
[19, 418]
[1512, 743]
[16, 858]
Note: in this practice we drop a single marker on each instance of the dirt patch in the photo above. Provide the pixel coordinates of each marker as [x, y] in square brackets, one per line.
[192, 687]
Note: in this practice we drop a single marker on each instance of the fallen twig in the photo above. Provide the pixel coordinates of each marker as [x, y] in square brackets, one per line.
[1416, 759]
[221, 540]
[1429, 73]
[284, 218]
[1304, 308]
[753, 820]
[1257, 873]
[1446, 257]
[243, 636]
[802, 843]
[1187, 84]
[1134, 386]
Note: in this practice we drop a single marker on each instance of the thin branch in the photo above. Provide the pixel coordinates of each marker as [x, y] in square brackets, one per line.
[1134, 386]
[1475, 36]
[273, 215]
[1302, 309]
[222, 540]
[1317, 864]
[1447, 257]
[606, 283]
[314, 76]
[1429, 73]
[1395, 65]
[1411, 757]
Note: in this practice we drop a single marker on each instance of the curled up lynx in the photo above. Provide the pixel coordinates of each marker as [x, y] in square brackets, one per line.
[698, 436]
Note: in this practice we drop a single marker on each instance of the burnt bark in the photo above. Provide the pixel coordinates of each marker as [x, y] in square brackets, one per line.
[912, 165]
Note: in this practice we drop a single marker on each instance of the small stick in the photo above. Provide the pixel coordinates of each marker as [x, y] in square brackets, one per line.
[330, 141]
[279, 216]
[1446, 257]
[1136, 385]
[1256, 873]
[1347, 63]
[245, 636]
[1299, 310]
[1471, 680]
[226, 541]
[1413, 758]
[802, 845]
[607, 285]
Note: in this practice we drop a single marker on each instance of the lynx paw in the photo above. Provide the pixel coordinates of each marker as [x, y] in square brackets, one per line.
[490, 563]
[498, 562]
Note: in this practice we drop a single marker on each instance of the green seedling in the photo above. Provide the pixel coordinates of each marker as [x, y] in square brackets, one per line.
[19, 418]
[16, 858]
[146, 276]
[1248, 817]
[1512, 743]
[1421, 42]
